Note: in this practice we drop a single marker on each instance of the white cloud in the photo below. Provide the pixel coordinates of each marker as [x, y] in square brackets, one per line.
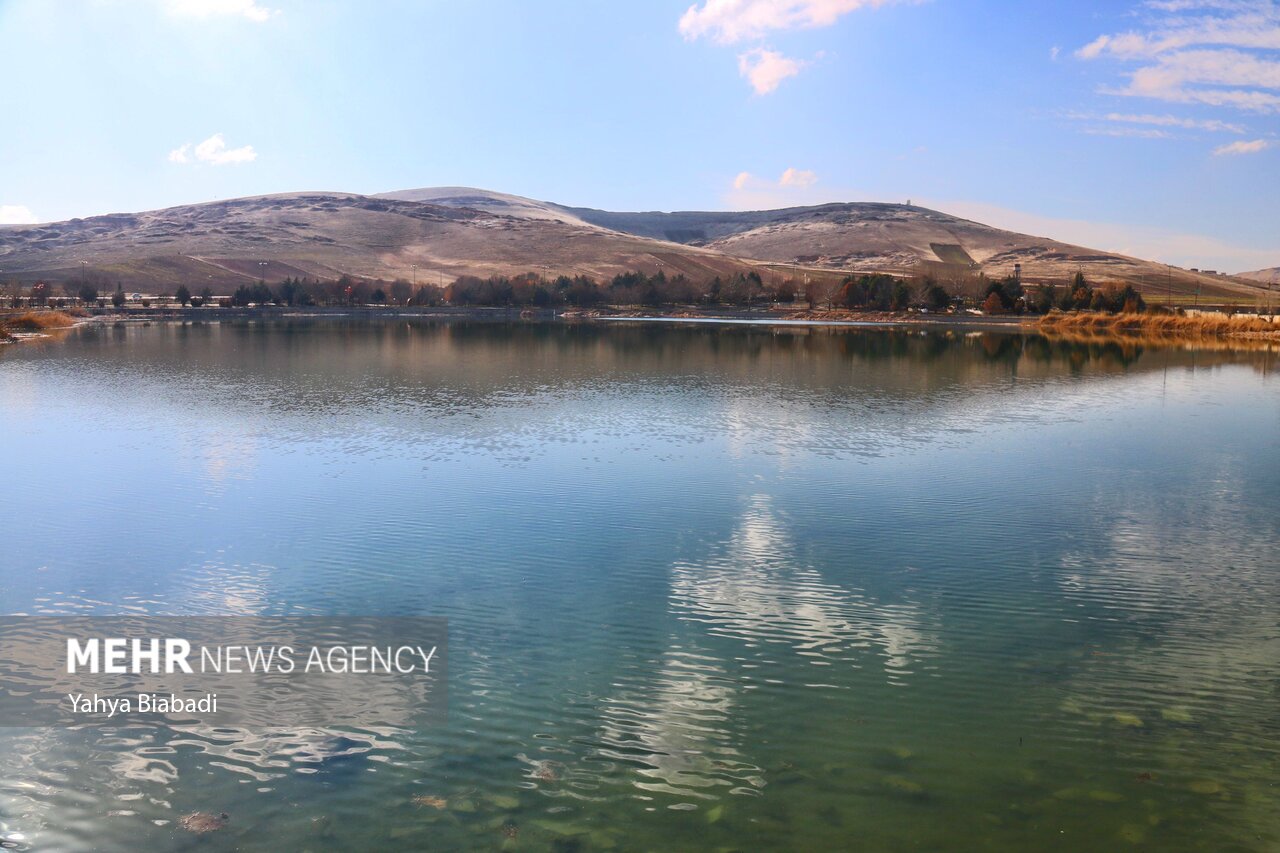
[16, 214]
[203, 9]
[214, 151]
[793, 187]
[1243, 147]
[797, 178]
[1054, 52]
[765, 69]
[730, 21]
[1224, 55]
[1170, 76]
[733, 21]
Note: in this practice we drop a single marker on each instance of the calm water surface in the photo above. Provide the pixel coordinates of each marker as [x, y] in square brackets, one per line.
[724, 589]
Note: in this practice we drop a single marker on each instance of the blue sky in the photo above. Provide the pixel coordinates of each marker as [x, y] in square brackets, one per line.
[1147, 127]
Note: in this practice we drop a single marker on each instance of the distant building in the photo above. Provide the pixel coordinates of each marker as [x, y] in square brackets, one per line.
[1017, 272]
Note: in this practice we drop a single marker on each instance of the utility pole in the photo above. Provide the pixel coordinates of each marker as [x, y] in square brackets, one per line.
[1168, 271]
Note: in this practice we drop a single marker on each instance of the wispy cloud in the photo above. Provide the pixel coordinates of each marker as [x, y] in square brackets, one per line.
[16, 214]
[1243, 29]
[1211, 125]
[1220, 54]
[213, 151]
[1242, 147]
[203, 9]
[1147, 124]
[1130, 132]
[765, 68]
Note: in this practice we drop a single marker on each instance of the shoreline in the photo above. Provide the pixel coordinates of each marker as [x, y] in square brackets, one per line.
[678, 314]
[1083, 327]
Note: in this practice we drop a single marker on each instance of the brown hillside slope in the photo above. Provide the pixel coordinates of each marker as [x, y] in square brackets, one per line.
[861, 237]
[326, 234]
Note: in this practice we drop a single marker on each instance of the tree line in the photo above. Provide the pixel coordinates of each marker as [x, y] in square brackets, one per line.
[872, 291]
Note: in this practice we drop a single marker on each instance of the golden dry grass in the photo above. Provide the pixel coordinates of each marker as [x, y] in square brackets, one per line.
[1161, 326]
[34, 321]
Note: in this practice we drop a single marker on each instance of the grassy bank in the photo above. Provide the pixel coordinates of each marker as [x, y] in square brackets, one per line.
[1160, 325]
[33, 322]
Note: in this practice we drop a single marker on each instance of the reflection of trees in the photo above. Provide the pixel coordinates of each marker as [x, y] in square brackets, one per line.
[335, 363]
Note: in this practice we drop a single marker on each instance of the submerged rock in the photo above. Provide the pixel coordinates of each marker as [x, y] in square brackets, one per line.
[546, 771]
[1133, 833]
[428, 800]
[602, 840]
[900, 783]
[1206, 786]
[1127, 719]
[200, 822]
[503, 801]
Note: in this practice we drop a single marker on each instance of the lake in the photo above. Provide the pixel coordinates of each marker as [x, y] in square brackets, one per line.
[707, 588]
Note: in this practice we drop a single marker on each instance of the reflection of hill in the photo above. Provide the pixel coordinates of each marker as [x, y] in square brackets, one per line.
[451, 385]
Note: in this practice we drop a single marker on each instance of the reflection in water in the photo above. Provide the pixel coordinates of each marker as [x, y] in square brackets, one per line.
[755, 591]
[676, 733]
[707, 588]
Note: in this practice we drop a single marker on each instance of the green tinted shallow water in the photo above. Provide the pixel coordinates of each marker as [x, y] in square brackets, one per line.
[707, 588]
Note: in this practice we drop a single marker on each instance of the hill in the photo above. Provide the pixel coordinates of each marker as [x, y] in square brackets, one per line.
[860, 237]
[449, 231]
[1271, 275]
[225, 243]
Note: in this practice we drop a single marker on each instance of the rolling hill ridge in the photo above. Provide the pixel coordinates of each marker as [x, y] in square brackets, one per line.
[435, 234]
